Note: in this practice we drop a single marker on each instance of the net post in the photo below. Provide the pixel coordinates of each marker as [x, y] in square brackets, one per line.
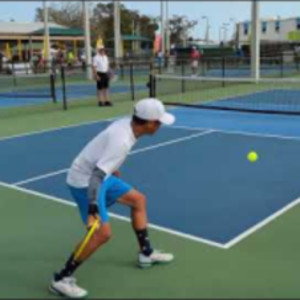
[53, 91]
[152, 87]
[182, 80]
[160, 65]
[281, 65]
[223, 68]
[122, 70]
[166, 62]
[63, 85]
[132, 82]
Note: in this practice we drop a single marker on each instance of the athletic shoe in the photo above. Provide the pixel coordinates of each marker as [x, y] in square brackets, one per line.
[67, 287]
[156, 257]
[101, 104]
[108, 103]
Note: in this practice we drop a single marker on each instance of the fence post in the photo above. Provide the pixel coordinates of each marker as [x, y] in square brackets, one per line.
[132, 82]
[223, 68]
[53, 91]
[122, 70]
[182, 80]
[63, 85]
[152, 86]
[281, 65]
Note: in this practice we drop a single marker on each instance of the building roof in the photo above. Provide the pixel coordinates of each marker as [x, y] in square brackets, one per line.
[54, 31]
[134, 38]
[23, 28]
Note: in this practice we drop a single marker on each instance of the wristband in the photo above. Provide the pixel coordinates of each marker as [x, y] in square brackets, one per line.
[93, 209]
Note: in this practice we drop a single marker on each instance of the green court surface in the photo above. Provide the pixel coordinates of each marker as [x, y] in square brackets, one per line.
[37, 235]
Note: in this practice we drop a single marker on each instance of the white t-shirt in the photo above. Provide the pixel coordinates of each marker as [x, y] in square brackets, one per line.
[101, 63]
[108, 150]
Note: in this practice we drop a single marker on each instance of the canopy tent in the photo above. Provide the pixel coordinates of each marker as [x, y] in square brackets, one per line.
[59, 32]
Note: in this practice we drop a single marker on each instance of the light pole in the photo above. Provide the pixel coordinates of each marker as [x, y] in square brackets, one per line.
[207, 29]
[46, 36]
[117, 30]
[225, 31]
[167, 28]
[220, 34]
[163, 36]
[87, 39]
[234, 31]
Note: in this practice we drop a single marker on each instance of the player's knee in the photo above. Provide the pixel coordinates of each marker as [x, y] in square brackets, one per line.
[104, 234]
[141, 201]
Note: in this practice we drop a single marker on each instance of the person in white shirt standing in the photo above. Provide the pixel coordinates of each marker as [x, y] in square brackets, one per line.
[94, 183]
[101, 74]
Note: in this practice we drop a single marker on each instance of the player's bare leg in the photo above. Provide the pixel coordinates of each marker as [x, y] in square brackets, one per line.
[147, 255]
[106, 97]
[100, 98]
[63, 283]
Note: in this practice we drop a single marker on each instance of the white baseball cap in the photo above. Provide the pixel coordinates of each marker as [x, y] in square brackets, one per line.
[152, 109]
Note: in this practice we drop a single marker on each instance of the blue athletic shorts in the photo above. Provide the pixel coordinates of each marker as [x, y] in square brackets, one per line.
[111, 190]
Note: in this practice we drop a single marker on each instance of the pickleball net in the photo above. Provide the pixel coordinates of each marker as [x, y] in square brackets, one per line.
[266, 95]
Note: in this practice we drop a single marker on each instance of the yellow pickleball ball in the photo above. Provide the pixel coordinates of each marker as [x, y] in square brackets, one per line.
[252, 156]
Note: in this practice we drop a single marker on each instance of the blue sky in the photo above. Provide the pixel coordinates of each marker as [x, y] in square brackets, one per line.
[218, 12]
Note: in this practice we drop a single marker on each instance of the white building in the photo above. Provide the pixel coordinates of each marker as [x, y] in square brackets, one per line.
[271, 30]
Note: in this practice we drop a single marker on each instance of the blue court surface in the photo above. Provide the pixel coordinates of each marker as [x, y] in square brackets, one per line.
[246, 71]
[42, 95]
[195, 174]
[273, 99]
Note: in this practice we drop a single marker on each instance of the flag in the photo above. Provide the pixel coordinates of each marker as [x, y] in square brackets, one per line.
[20, 49]
[8, 51]
[99, 42]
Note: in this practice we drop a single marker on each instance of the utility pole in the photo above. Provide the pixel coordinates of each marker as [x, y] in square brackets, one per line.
[87, 39]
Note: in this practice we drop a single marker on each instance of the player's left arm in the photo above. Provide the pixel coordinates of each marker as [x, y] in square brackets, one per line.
[95, 183]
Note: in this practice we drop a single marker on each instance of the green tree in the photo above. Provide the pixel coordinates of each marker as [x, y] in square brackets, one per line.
[70, 14]
[67, 14]
[180, 27]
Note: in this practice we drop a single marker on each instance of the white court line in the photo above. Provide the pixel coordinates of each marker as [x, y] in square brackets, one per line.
[53, 129]
[116, 216]
[182, 139]
[235, 132]
[40, 177]
[261, 224]
[9, 137]
[152, 147]
[171, 127]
